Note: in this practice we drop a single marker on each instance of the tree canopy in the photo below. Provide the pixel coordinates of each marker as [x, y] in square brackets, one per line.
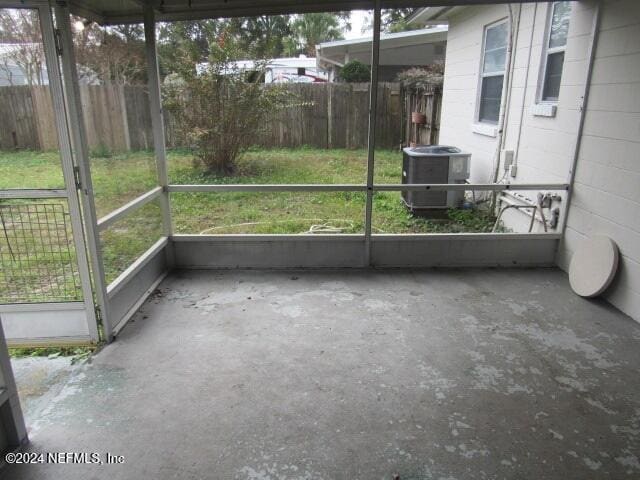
[116, 53]
[255, 38]
[312, 29]
[393, 20]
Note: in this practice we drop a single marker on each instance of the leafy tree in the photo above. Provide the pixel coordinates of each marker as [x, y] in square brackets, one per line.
[192, 38]
[218, 109]
[291, 47]
[262, 36]
[355, 71]
[395, 20]
[392, 20]
[252, 38]
[314, 28]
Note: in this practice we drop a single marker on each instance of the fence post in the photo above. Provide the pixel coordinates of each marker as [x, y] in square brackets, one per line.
[125, 120]
[435, 114]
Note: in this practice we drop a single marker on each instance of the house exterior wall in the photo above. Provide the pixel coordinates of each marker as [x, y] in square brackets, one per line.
[460, 89]
[607, 184]
[606, 197]
[543, 145]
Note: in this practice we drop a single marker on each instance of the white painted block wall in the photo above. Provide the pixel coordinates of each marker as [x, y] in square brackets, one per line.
[543, 145]
[462, 69]
[606, 197]
[607, 191]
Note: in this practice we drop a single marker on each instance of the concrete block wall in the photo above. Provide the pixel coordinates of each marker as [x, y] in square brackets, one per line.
[606, 197]
[607, 187]
[543, 145]
[460, 90]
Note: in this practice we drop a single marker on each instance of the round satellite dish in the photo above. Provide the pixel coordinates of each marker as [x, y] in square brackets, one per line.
[593, 266]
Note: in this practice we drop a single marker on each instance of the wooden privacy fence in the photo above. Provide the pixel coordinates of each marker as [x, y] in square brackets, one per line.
[322, 115]
[26, 118]
[427, 101]
[336, 115]
[117, 117]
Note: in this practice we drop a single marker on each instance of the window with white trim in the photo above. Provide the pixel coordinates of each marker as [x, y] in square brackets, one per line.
[492, 71]
[555, 46]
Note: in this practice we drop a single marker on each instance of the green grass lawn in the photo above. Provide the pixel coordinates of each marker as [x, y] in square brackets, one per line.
[119, 178]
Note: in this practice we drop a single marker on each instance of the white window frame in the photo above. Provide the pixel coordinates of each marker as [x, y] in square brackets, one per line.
[546, 51]
[483, 75]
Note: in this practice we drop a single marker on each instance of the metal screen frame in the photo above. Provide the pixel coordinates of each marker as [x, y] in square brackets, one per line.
[359, 250]
[51, 322]
[119, 300]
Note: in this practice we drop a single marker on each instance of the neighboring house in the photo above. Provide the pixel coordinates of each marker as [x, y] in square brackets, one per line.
[16, 70]
[300, 69]
[398, 52]
[538, 98]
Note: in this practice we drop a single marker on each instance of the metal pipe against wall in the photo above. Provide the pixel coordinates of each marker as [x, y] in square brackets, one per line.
[540, 208]
[595, 28]
[506, 97]
[536, 206]
[526, 85]
[515, 207]
[371, 143]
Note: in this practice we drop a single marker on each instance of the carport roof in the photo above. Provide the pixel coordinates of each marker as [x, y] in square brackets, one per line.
[131, 11]
[410, 37]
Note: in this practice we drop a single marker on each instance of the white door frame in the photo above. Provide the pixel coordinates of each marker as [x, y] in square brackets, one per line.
[61, 322]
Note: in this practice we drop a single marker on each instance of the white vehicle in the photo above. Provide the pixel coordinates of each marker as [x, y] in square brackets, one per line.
[283, 70]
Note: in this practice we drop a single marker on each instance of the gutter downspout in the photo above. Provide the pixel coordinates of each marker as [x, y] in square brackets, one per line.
[595, 31]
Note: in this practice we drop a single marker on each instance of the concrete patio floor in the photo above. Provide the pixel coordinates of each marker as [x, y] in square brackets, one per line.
[454, 374]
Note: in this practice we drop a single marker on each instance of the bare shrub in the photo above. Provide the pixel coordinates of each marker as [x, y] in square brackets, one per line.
[220, 108]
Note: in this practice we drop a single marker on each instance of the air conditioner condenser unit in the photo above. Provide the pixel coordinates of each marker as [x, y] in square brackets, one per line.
[434, 164]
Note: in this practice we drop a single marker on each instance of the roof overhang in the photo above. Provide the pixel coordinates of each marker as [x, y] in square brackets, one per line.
[430, 15]
[131, 11]
[389, 40]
